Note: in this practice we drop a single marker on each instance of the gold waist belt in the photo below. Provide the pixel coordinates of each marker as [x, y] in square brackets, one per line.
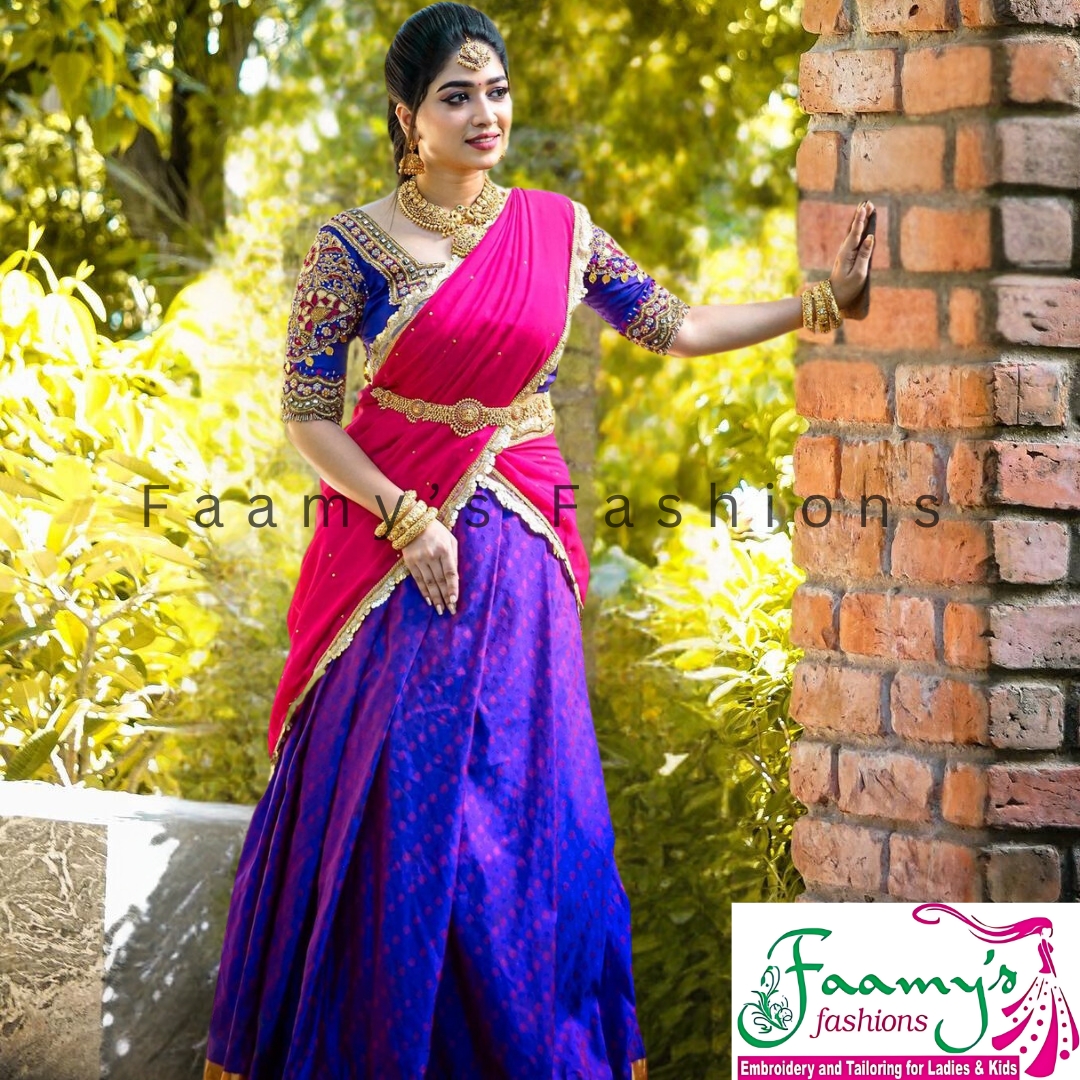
[468, 415]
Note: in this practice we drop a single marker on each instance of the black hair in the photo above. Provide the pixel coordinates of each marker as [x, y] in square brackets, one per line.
[422, 45]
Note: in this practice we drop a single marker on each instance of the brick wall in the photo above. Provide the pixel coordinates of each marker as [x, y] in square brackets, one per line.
[940, 687]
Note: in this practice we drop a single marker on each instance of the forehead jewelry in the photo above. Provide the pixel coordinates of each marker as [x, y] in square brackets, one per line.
[473, 55]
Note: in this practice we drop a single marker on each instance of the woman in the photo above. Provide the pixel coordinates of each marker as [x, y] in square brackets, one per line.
[428, 887]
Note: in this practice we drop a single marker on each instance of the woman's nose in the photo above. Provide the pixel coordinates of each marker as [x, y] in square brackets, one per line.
[485, 112]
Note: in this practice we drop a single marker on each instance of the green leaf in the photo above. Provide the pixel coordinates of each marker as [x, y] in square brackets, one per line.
[32, 755]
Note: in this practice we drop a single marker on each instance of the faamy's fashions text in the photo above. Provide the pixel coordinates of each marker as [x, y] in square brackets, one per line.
[428, 888]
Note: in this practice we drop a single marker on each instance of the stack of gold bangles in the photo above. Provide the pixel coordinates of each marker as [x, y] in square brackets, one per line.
[820, 312]
[412, 519]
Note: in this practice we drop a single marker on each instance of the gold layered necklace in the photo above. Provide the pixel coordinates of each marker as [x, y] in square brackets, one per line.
[467, 224]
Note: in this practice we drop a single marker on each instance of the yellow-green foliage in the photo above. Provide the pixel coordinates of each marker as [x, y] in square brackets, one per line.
[143, 656]
[101, 613]
[691, 709]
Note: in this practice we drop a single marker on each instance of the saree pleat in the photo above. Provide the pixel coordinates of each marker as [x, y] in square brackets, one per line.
[428, 888]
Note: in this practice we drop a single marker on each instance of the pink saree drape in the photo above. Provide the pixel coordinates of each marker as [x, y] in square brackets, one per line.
[492, 331]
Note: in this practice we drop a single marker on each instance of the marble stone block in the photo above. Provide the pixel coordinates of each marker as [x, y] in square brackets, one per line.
[113, 912]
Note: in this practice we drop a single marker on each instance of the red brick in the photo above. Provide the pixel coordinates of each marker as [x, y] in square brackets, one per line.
[842, 548]
[965, 630]
[852, 391]
[1039, 474]
[939, 240]
[963, 795]
[1044, 72]
[848, 81]
[1031, 393]
[813, 618]
[934, 709]
[951, 552]
[837, 855]
[933, 396]
[974, 167]
[884, 785]
[1031, 552]
[1027, 716]
[1018, 874]
[1039, 310]
[971, 473]
[897, 160]
[1035, 796]
[898, 319]
[816, 461]
[822, 228]
[965, 317]
[1041, 636]
[900, 16]
[817, 161]
[1037, 232]
[1041, 150]
[934, 870]
[825, 17]
[830, 698]
[887, 625]
[812, 776]
[945, 77]
[976, 13]
[900, 471]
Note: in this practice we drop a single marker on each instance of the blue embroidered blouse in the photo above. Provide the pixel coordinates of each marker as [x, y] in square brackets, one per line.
[357, 281]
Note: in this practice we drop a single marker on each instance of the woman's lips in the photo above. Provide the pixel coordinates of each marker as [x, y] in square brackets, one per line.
[486, 143]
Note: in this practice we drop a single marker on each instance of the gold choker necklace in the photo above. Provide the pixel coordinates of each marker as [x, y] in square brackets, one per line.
[467, 224]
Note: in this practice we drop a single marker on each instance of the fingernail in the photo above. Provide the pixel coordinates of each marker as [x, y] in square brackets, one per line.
[428, 599]
[453, 609]
[438, 608]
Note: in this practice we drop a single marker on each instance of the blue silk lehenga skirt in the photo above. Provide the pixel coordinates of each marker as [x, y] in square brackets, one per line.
[428, 888]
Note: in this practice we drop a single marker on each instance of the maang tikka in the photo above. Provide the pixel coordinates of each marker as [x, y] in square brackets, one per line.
[473, 55]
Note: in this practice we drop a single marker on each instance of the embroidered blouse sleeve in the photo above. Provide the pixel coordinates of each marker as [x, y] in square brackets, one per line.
[326, 311]
[627, 298]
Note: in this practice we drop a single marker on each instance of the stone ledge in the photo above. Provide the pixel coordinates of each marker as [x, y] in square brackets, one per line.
[118, 906]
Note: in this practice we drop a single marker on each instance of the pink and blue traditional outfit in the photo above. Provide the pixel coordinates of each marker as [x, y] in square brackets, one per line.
[428, 886]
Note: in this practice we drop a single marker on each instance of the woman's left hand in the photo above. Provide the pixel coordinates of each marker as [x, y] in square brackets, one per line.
[852, 263]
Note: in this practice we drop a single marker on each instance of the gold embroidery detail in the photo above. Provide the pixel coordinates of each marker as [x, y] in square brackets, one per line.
[402, 272]
[657, 320]
[310, 395]
[513, 498]
[608, 260]
[213, 1071]
[575, 293]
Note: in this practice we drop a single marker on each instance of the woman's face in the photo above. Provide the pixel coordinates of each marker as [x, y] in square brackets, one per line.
[460, 105]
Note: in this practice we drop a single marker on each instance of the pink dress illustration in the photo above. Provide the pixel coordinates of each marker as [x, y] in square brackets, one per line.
[1041, 1028]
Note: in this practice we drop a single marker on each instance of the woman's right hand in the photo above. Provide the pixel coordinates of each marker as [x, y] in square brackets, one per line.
[432, 558]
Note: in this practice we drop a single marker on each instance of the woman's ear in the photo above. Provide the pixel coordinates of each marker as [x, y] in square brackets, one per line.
[404, 119]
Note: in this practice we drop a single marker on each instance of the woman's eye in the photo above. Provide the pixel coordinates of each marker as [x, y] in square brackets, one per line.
[501, 91]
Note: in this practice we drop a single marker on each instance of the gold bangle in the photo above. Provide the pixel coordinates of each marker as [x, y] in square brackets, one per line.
[821, 311]
[830, 300]
[408, 500]
[403, 524]
[808, 310]
[407, 538]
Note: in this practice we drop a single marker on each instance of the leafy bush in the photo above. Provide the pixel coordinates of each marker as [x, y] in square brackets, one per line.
[691, 709]
[101, 608]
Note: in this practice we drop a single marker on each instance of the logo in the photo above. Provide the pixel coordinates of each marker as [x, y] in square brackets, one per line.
[901, 990]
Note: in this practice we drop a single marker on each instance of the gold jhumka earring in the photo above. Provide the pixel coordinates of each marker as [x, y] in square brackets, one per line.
[411, 163]
[473, 54]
